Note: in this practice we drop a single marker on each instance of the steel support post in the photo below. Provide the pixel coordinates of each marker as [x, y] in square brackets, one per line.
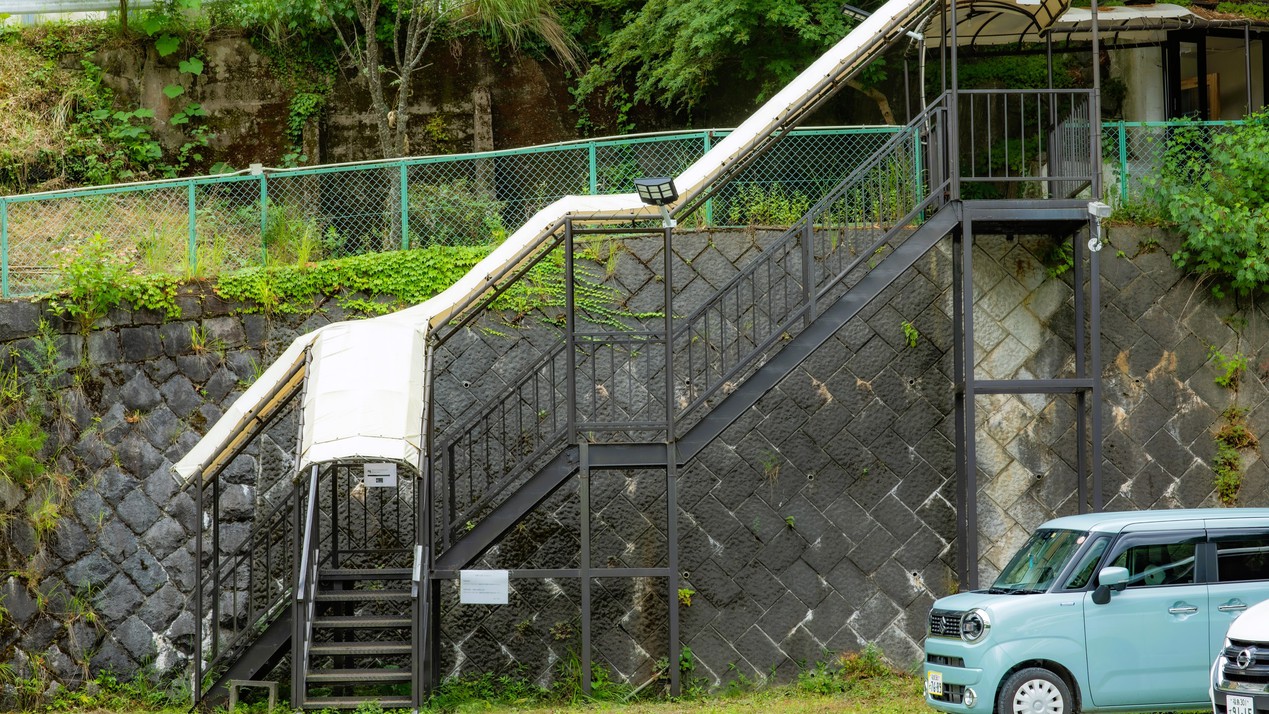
[958, 379]
[198, 595]
[1081, 371]
[672, 508]
[297, 604]
[583, 568]
[570, 336]
[954, 109]
[215, 603]
[971, 451]
[808, 286]
[1095, 368]
[671, 469]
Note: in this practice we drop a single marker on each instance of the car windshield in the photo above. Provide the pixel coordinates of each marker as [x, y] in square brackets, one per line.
[1038, 562]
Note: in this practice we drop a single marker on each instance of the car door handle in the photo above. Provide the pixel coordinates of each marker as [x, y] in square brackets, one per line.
[1183, 609]
[1232, 607]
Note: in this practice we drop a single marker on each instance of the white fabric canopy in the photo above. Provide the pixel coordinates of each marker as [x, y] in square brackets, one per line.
[365, 384]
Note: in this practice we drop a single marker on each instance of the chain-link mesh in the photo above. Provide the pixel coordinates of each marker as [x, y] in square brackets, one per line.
[211, 225]
[1134, 152]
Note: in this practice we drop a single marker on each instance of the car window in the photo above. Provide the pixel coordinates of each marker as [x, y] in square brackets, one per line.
[1087, 565]
[1244, 559]
[1154, 564]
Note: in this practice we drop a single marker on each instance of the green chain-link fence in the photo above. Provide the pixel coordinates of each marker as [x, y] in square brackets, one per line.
[1135, 151]
[204, 226]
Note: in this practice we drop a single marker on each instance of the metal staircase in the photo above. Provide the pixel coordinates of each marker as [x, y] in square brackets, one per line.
[354, 575]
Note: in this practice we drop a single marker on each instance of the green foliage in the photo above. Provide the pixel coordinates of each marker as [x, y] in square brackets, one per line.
[1228, 368]
[845, 674]
[1059, 258]
[508, 689]
[143, 692]
[455, 213]
[22, 436]
[1215, 189]
[759, 205]
[685, 596]
[910, 333]
[404, 277]
[677, 51]
[1254, 11]
[1015, 71]
[94, 280]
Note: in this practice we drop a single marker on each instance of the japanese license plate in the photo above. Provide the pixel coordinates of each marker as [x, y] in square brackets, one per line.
[934, 687]
[1239, 705]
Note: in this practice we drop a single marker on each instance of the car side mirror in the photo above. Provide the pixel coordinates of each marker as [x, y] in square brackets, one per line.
[1109, 579]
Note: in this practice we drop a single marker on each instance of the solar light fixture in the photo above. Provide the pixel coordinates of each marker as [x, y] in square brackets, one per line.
[658, 191]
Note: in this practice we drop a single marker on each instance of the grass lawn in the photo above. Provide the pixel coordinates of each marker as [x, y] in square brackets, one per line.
[892, 694]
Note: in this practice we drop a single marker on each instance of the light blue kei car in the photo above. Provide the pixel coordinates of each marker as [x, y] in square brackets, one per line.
[1101, 612]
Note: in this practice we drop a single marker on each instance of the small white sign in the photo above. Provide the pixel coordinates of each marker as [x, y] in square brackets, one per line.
[484, 587]
[381, 475]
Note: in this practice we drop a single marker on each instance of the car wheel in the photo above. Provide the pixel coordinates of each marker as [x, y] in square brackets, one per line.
[1034, 691]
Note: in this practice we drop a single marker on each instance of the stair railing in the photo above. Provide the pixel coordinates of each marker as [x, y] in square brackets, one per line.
[782, 291]
[306, 588]
[842, 238]
[484, 456]
[249, 588]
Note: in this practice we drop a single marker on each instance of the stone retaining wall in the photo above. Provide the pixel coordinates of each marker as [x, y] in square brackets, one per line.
[820, 521]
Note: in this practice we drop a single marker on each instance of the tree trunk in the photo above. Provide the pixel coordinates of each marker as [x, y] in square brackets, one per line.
[877, 96]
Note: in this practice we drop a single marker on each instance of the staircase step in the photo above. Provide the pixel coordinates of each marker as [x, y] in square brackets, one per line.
[369, 621]
[358, 676]
[363, 595]
[365, 574]
[360, 648]
[354, 702]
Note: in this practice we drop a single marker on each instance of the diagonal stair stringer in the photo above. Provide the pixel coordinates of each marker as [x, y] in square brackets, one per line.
[501, 519]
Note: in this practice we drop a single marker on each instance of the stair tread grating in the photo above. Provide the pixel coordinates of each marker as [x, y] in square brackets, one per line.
[361, 648]
[359, 675]
[383, 622]
[362, 595]
[365, 574]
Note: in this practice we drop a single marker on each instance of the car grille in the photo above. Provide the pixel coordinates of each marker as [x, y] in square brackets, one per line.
[945, 623]
[952, 693]
[1257, 669]
[940, 660]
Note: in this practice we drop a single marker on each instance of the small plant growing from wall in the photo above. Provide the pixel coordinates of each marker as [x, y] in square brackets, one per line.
[771, 467]
[1231, 439]
[910, 333]
[1229, 368]
[685, 596]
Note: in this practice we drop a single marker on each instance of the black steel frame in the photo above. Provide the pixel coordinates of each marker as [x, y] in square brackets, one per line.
[939, 207]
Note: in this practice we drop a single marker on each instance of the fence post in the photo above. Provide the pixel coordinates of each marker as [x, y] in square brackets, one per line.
[709, 202]
[264, 210]
[193, 231]
[4, 248]
[1123, 164]
[594, 169]
[405, 207]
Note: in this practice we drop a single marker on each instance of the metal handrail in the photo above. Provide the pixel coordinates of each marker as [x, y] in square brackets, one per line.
[310, 543]
[244, 556]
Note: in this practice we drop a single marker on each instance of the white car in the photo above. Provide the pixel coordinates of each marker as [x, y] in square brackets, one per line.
[1240, 674]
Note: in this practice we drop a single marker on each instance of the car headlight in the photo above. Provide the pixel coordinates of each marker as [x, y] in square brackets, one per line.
[974, 625]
